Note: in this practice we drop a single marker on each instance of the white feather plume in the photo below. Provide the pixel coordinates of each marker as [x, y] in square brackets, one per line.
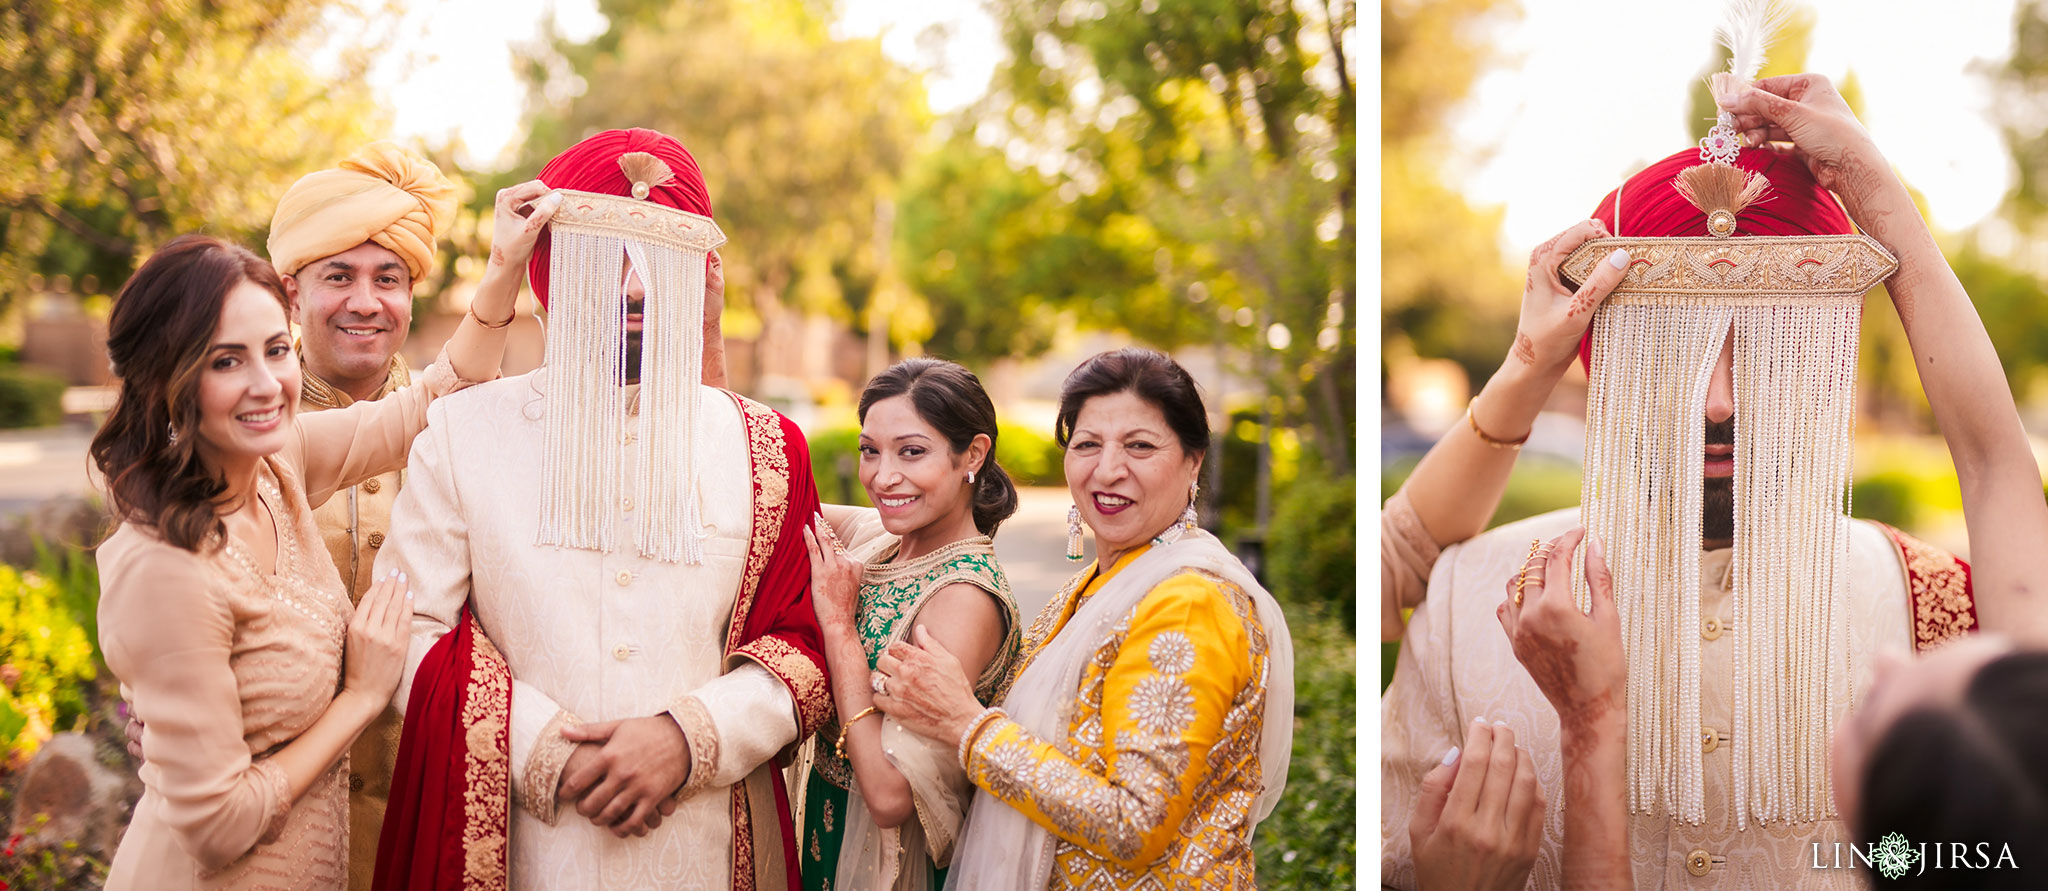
[1747, 30]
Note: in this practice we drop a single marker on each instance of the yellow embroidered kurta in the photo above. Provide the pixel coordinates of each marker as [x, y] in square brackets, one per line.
[353, 524]
[592, 636]
[1456, 665]
[226, 661]
[1153, 783]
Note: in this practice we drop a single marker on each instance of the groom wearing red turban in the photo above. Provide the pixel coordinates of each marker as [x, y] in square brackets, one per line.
[1700, 819]
[613, 639]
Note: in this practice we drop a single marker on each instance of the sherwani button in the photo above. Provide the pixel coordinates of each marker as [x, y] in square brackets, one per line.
[622, 652]
[1712, 629]
[376, 539]
[372, 485]
[1698, 863]
[355, 782]
[1709, 740]
[626, 503]
[625, 578]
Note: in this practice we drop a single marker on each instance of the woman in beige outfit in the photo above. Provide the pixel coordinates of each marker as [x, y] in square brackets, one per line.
[220, 611]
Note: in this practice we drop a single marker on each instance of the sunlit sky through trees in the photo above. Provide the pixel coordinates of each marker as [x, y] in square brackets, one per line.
[1580, 92]
[450, 70]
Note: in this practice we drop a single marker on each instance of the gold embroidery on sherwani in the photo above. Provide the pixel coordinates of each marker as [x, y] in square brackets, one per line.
[544, 767]
[486, 767]
[1123, 784]
[702, 736]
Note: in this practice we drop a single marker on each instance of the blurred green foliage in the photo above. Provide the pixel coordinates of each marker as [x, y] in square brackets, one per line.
[1311, 548]
[30, 398]
[1311, 838]
[130, 121]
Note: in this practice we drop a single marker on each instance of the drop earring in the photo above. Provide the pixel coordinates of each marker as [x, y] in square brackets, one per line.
[1074, 533]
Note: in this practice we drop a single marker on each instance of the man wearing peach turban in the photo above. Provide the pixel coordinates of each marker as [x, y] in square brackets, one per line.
[350, 241]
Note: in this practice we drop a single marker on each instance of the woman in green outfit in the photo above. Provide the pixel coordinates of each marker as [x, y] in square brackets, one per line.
[882, 806]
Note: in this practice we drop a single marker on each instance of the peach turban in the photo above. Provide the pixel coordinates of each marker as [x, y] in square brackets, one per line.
[382, 194]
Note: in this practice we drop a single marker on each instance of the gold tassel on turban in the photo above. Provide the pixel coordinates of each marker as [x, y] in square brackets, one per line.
[382, 194]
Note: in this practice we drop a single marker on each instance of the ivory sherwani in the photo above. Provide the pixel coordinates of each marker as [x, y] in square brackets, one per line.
[1456, 666]
[595, 636]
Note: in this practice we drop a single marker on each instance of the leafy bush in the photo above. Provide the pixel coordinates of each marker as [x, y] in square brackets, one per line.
[1311, 838]
[1885, 497]
[1030, 455]
[47, 636]
[835, 464]
[30, 398]
[1311, 548]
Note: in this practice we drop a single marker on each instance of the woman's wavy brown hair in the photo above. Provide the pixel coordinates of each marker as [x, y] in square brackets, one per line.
[158, 339]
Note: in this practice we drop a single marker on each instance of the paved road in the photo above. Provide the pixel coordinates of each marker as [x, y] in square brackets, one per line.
[36, 465]
[1032, 548]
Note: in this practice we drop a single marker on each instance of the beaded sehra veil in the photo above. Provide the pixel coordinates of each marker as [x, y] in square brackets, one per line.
[582, 462]
[1792, 305]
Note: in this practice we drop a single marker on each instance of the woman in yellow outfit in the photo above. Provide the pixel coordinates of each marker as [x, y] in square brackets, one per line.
[1147, 729]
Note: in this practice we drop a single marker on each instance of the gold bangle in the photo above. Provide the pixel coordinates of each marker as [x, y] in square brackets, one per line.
[1493, 441]
[490, 327]
[839, 746]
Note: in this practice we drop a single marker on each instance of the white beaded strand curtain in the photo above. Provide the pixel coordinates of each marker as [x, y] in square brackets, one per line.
[1795, 360]
[580, 452]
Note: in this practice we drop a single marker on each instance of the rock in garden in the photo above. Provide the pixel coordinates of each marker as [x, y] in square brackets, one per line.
[84, 801]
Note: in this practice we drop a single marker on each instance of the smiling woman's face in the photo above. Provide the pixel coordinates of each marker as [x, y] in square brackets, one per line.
[1127, 471]
[1898, 685]
[249, 380]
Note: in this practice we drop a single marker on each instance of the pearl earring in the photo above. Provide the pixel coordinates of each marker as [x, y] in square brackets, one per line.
[1074, 533]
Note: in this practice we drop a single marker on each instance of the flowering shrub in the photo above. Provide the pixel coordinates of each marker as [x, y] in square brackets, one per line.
[47, 659]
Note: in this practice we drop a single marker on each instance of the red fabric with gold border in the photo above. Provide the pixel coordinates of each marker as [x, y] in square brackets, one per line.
[447, 828]
[773, 625]
[1943, 605]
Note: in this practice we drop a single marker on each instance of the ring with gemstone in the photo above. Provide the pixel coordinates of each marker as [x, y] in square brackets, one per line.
[877, 681]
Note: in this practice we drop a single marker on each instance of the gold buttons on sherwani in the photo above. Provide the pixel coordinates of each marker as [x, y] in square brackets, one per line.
[1698, 863]
[376, 539]
[622, 652]
[1711, 629]
[1709, 740]
[625, 578]
[371, 485]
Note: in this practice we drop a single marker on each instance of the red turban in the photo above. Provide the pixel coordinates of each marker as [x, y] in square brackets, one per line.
[593, 166]
[1652, 208]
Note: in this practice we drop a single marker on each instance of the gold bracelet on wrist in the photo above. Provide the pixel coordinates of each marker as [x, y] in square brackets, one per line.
[487, 325]
[1496, 442]
[839, 745]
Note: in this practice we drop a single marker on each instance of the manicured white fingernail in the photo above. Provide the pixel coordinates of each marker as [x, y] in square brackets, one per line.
[408, 593]
[1618, 259]
[1451, 756]
[1500, 723]
[401, 578]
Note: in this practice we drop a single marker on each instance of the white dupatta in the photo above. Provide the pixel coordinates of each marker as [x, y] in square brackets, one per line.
[1000, 849]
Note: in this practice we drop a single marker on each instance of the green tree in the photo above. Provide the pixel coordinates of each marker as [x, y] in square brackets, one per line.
[131, 121]
[1220, 133]
[1445, 289]
[2021, 87]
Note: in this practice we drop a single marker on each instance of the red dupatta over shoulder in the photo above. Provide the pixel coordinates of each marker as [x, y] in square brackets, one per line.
[447, 828]
[450, 818]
